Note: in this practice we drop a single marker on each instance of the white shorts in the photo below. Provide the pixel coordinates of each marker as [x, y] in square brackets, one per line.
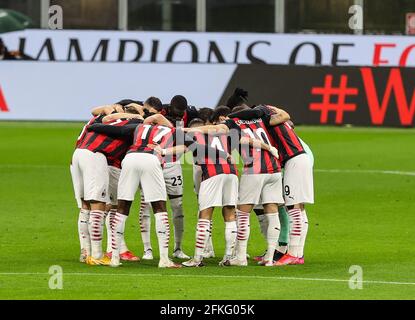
[308, 151]
[90, 176]
[257, 189]
[173, 177]
[114, 177]
[218, 191]
[76, 182]
[142, 169]
[298, 180]
[197, 177]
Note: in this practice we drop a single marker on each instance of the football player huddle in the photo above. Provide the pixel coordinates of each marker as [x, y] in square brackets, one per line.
[135, 145]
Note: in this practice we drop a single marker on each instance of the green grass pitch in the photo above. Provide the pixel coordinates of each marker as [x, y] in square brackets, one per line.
[364, 215]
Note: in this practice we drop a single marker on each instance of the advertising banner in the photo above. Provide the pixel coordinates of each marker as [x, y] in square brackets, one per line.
[363, 96]
[68, 91]
[366, 96]
[213, 48]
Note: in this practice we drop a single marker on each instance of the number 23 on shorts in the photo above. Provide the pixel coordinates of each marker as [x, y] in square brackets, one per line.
[177, 181]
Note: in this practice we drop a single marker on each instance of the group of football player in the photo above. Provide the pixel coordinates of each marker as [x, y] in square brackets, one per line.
[133, 146]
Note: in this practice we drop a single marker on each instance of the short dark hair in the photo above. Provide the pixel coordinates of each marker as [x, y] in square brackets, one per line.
[179, 103]
[154, 103]
[205, 114]
[125, 102]
[220, 111]
[130, 109]
[240, 108]
[3, 47]
[238, 98]
[178, 107]
[196, 121]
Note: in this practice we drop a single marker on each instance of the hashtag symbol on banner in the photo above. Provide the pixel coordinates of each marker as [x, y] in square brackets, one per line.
[329, 91]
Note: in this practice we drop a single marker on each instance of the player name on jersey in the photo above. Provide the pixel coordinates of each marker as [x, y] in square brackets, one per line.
[247, 122]
[256, 161]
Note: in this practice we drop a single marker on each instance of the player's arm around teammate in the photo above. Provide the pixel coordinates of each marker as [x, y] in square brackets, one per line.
[298, 188]
[298, 185]
[265, 182]
[117, 138]
[173, 177]
[260, 183]
[107, 109]
[141, 167]
[90, 178]
[218, 189]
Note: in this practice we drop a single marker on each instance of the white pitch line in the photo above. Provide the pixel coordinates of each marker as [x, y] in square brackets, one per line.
[33, 166]
[400, 173]
[204, 276]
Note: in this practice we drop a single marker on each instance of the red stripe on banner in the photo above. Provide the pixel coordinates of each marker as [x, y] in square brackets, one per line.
[3, 104]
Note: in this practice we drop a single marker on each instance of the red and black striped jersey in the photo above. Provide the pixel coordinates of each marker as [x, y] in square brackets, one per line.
[211, 153]
[84, 132]
[284, 139]
[113, 148]
[256, 160]
[147, 134]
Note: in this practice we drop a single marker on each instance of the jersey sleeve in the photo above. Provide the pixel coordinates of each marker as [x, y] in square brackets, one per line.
[122, 131]
[135, 121]
[231, 124]
[234, 135]
[99, 119]
[248, 114]
[267, 114]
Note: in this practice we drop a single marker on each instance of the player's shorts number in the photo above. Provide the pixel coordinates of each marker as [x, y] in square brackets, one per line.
[177, 181]
[287, 190]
